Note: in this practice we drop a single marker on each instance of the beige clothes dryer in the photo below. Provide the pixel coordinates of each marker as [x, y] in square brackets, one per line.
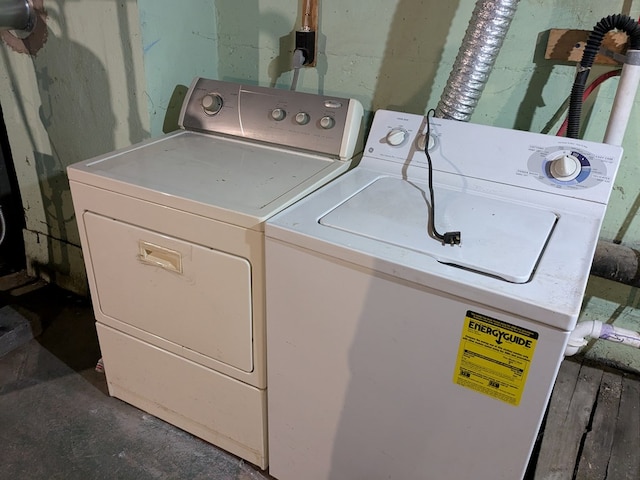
[172, 235]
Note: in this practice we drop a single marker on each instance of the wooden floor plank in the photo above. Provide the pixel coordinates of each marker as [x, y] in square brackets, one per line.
[599, 441]
[625, 462]
[566, 425]
[563, 390]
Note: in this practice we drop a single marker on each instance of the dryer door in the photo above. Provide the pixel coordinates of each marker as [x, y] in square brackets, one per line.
[193, 296]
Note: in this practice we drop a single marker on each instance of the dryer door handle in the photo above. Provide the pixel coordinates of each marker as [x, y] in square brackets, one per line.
[158, 256]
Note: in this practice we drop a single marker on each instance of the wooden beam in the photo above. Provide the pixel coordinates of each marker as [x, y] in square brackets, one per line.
[568, 45]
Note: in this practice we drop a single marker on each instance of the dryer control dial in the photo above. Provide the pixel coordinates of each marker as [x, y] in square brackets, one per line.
[302, 118]
[278, 114]
[211, 103]
[396, 137]
[327, 122]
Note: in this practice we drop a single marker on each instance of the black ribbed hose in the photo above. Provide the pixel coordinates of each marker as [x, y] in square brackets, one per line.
[620, 22]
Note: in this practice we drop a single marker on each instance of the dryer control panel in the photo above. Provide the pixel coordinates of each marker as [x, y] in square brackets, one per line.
[317, 123]
[563, 166]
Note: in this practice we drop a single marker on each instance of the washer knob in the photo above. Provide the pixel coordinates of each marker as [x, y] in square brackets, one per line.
[302, 118]
[565, 167]
[396, 137]
[278, 114]
[422, 142]
[211, 103]
[327, 122]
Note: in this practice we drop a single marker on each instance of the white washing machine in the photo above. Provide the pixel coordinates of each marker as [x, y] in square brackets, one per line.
[173, 240]
[393, 355]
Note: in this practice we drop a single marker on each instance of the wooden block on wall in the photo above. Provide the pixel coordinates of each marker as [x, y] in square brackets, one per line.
[568, 45]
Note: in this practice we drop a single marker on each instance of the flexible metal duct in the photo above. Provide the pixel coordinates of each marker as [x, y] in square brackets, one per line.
[17, 15]
[483, 39]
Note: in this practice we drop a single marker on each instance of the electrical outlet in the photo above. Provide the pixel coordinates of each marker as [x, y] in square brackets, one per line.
[306, 41]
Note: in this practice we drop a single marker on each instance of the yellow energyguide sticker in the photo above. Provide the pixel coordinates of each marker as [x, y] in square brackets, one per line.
[494, 357]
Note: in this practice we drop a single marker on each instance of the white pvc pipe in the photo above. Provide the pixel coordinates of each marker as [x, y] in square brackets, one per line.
[624, 100]
[581, 335]
[594, 329]
[620, 335]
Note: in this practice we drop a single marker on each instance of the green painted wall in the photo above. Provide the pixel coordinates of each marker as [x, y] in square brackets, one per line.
[178, 44]
[399, 54]
[108, 74]
[81, 95]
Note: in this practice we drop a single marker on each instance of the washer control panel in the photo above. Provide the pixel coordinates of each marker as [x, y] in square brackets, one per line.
[576, 166]
[317, 123]
[560, 165]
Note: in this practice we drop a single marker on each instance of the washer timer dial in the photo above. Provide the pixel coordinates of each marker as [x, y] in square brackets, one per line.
[565, 167]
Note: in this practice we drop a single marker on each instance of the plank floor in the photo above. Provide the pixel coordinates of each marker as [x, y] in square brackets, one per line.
[592, 427]
[591, 430]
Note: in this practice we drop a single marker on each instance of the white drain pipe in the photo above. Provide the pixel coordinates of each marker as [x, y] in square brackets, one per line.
[624, 99]
[594, 329]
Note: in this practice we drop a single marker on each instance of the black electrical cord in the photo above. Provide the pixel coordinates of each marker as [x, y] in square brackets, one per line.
[449, 238]
[612, 22]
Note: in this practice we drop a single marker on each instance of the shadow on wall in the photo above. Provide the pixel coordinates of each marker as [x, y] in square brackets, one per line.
[533, 98]
[238, 54]
[77, 114]
[412, 55]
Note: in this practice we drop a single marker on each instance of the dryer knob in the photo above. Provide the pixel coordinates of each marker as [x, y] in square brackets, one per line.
[211, 103]
[396, 137]
[327, 122]
[278, 114]
[302, 118]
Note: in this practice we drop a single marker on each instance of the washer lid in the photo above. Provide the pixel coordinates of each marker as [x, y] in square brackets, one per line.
[499, 238]
[233, 181]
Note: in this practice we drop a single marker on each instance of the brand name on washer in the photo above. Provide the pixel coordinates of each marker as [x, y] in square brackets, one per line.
[501, 335]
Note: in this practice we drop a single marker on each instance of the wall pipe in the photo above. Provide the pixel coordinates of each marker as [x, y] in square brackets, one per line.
[620, 22]
[483, 39]
[624, 99]
[593, 329]
[616, 262]
[17, 15]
